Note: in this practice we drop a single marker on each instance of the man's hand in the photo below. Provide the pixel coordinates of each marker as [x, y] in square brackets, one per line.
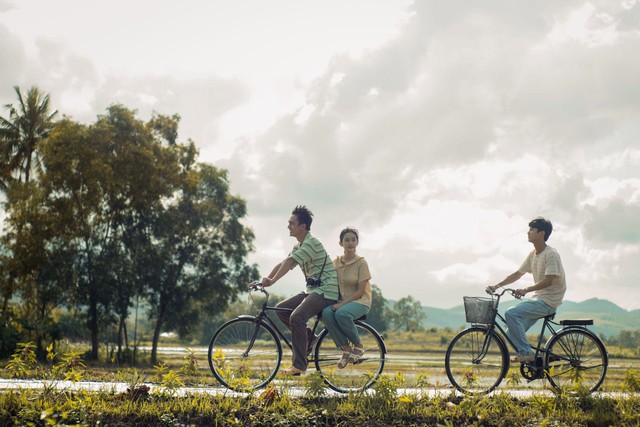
[266, 282]
[520, 293]
[492, 289]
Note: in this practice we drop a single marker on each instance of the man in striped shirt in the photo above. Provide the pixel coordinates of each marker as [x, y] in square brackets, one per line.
[322, 287]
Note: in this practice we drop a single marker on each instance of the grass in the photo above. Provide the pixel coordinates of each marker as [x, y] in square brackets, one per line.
[275, 406]
[151, 396]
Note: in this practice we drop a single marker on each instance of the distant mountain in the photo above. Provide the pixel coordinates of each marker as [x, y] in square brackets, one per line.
[608, 318]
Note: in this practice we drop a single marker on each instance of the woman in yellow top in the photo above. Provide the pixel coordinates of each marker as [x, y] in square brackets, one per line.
[355, 294]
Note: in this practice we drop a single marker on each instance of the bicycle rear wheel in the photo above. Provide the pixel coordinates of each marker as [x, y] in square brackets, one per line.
[576, 357]
[244, 354]
[471, 369]
[355, 376]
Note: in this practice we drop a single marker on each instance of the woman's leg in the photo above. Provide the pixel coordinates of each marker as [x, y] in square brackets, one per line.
[345, 317]
[329, 320]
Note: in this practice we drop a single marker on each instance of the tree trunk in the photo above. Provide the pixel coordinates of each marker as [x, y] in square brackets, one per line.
[93, 323]
[156, 334]
[119, 339]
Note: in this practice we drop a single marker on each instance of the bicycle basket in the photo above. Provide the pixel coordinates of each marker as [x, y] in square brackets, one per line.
[479, 310]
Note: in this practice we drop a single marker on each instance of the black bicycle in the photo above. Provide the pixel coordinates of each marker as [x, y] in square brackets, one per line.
[245, 353]
[478, 359]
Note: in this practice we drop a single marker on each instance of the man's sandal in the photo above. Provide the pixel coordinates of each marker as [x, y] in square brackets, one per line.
[344, 360]
[292, 371]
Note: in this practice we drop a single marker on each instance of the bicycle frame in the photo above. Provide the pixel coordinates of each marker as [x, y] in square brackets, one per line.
[539, 348]
[245, 352]
[262, 316]
[546, 326]
[478, 357]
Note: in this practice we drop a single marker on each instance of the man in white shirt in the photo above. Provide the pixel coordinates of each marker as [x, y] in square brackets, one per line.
[549, 285]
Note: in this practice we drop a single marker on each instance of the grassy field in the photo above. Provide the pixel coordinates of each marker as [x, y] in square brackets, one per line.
[415, 361]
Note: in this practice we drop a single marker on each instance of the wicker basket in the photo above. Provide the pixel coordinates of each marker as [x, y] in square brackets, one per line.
[480, 310]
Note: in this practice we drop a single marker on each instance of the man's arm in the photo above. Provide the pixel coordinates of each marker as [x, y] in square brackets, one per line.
[546, 282]
[278, 271]
[507, 280]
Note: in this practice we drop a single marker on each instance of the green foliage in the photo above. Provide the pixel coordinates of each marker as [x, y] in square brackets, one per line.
[407, 315]
[23, 362]
[190, 366]
[378, 316]
[631, 382]
[274, 406]
[171, 382]
[21, 134]
[119, 211]
[386, 388]
[314, 385]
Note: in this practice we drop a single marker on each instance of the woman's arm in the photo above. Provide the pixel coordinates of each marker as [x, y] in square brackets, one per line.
[362, 287]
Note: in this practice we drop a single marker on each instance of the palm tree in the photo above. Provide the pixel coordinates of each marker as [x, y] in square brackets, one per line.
[20, 134]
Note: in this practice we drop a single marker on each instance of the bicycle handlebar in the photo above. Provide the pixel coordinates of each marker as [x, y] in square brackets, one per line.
[499, 294]
[256, 286]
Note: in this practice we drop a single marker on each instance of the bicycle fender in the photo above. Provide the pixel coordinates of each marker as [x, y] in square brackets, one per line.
[246, 316]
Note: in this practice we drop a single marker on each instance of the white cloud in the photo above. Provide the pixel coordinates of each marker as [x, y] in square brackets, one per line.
[439, 129]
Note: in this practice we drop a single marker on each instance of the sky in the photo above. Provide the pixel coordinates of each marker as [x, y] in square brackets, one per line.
[438, 129]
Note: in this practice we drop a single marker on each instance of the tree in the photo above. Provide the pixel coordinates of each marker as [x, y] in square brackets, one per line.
[195, 258]
[36, 274]
[122, 211]
[377, 316]
[21, 134]
[101, 180]
[407, 314]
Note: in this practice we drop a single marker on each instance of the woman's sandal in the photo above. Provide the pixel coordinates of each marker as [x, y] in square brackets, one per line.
[344, 360]
[356, 355]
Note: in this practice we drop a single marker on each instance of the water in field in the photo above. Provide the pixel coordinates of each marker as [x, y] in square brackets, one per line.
[426, 369]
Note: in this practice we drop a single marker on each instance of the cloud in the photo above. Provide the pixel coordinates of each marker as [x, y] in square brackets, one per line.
[447, 140]
[439, 136]
[616, 223]
[12, 60]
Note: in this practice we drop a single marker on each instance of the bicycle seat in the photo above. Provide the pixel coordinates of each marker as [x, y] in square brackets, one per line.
[576, 322]
[550, 316]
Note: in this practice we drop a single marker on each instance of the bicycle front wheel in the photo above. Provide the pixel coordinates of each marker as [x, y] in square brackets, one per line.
[576, 357]
[476, 361]
[244, 354]
[355, 376]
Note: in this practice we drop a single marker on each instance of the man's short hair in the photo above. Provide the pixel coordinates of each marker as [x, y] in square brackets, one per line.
[542, 224]
[304, 215]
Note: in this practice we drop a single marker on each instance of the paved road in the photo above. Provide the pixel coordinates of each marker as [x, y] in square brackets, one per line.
[121, 387]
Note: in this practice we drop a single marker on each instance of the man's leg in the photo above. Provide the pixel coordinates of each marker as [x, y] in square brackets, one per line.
[291, 303]
[520, 318]
[311, 305]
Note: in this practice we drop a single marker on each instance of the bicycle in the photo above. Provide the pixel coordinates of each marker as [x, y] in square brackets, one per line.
[245, 353]
[478, 359]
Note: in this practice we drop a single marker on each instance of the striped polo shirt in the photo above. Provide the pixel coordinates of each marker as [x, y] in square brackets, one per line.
[310, 255]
